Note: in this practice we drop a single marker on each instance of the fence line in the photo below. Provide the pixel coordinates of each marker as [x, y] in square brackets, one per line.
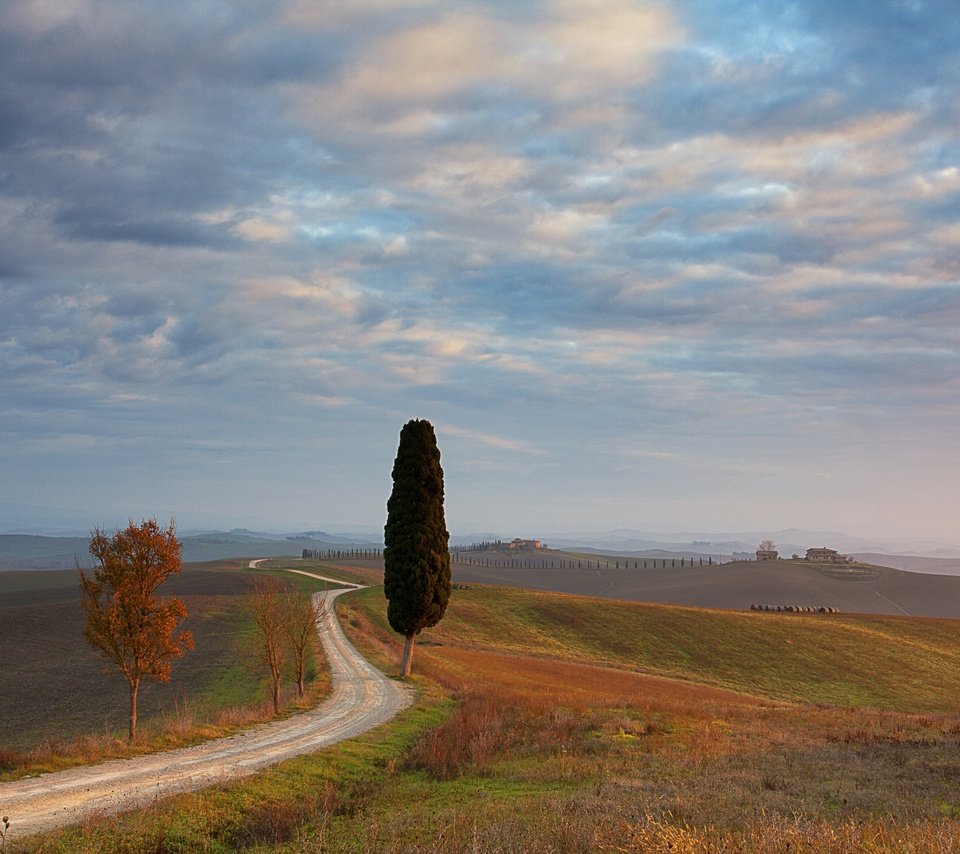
[342, 554]
[497, 562]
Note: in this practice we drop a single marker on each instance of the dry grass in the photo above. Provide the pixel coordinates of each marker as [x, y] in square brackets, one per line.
[543, 754]
[538, 753]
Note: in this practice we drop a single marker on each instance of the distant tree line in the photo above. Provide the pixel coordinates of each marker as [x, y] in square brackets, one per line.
[485, 546]
[470, 555]
[464, 558]
[342, 554]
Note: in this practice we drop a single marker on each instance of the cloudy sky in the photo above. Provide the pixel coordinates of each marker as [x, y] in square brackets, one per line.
[658, 265]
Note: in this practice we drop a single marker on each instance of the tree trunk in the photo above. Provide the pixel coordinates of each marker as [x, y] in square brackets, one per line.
[407, 661]
[134, 690]
[276, 695]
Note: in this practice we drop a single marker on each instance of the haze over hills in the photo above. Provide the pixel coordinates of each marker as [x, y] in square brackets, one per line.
[25, 551]
[788, 541]
[38, 546]
[22, 518]
[913, 563]
[76, 522]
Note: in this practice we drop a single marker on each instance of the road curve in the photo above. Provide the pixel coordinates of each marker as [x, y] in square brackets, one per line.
[362, 698]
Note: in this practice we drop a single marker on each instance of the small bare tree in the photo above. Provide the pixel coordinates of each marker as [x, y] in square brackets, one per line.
[767, 545]
[304, 616]
[266, 605]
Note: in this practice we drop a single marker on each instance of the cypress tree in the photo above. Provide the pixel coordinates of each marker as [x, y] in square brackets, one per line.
[416, 558]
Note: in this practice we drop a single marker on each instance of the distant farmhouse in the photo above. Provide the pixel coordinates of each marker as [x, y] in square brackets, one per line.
[825, 555]
[524, 545]
[767, 551]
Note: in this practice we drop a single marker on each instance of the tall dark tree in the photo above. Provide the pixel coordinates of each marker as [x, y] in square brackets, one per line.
[416, 579]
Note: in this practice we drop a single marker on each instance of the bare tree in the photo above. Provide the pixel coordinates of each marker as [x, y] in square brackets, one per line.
[304, 615]
[767, 545]
[266, 605]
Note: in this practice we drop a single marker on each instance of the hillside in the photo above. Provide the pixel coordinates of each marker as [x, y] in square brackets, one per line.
[551, 722]
[878, 590]
[852, 660]
[912, 563]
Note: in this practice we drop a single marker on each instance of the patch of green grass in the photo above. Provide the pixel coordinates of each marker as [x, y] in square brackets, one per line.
[882, 662]
[282, 568]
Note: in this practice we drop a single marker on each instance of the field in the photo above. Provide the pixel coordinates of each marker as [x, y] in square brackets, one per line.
[557, 723]
[863, 590]
[52, 675]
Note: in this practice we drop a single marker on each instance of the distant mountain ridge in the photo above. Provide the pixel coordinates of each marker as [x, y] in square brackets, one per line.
[42, 551]
[31, 551]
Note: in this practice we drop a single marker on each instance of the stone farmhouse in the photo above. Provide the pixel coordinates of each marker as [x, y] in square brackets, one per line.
[524, 545]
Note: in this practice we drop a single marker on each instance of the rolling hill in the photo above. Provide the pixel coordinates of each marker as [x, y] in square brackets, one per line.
[873, 590]
[549, 722]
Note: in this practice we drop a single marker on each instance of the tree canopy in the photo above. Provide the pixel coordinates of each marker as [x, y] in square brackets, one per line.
[416, 558]
[126, 623]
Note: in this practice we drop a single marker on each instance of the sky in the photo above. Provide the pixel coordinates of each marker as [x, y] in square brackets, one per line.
[686, 265]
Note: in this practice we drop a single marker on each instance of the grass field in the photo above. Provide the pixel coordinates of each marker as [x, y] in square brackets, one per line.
[550, 723]
[52, 675]
[884, 662]
[859, 589]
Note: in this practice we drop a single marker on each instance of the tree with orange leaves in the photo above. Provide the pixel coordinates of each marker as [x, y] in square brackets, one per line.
[126, 623]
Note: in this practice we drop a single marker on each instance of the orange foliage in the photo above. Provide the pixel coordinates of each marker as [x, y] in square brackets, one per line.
[126, 623]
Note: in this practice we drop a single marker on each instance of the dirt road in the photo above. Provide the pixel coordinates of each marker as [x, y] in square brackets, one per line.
[362, 698]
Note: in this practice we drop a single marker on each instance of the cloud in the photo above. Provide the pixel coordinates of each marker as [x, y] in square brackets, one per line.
[492, 441]
[538, 221]
[447, 75]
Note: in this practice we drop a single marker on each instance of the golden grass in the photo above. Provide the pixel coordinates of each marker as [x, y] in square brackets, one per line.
[569, 756]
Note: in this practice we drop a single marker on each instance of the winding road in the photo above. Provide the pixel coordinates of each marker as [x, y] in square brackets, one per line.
[361, 699]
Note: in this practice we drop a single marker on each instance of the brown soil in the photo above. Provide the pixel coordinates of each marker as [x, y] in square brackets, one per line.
[55, 686]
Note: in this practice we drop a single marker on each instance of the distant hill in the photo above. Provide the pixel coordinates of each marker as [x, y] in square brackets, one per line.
[927, 565]
[881, 590]
[788, 541]
[23, 551]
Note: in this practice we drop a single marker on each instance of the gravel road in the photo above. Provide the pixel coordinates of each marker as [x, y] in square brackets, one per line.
[362, 698]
